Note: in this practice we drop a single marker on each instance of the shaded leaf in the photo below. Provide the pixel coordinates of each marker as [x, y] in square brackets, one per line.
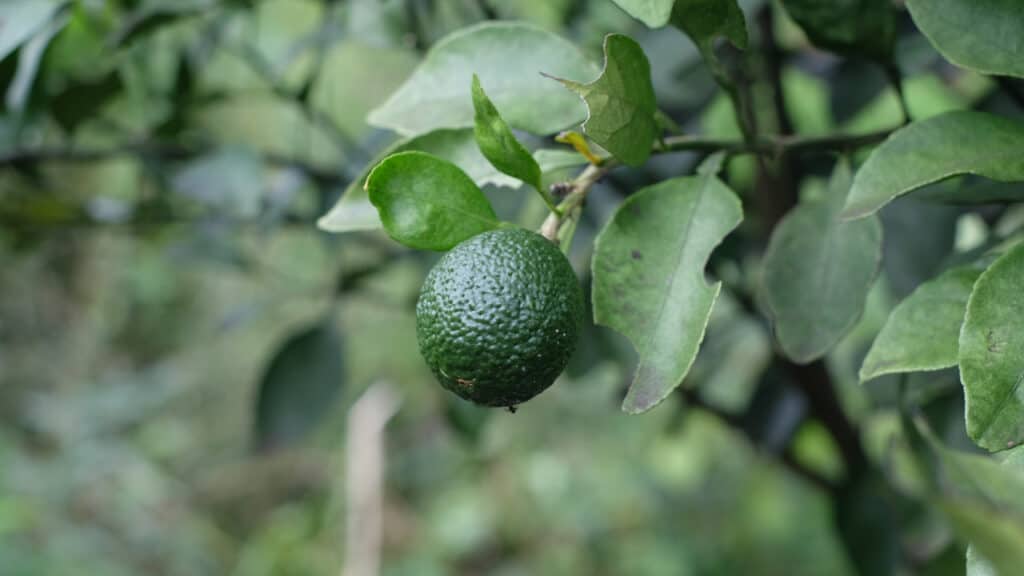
[991, 354]
[428, 203]
[705, 20]
[648, 271]
[923, 331]
[653, 13]
[508, 58]
[81, 101]
[848, 27]
[959, 142]
[868, 524]
[300, 383]
[497, 142]
[621, 102]
[983, 35]
[818, 270]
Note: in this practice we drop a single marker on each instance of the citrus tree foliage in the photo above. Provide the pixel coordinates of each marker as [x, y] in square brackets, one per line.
[800, 220]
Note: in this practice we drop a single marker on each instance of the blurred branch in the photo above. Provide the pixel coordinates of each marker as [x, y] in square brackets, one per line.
[364, 469]
[159, 150]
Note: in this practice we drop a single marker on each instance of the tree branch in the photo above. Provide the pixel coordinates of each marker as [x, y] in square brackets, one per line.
[152, 149]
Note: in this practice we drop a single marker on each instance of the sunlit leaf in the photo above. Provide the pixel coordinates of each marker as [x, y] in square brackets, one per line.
[991, 354]
[960, 142]
[648, 270]
[923, 331]
[508, 57]
[428, 203]
[497, 142]
[621, 102]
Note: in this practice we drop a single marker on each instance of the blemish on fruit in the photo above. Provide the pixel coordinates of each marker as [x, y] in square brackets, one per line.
[636, 255]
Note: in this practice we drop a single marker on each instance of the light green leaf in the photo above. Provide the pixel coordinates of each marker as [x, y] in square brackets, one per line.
[705, 20]
[923, 331]
[982, 35]
[428, 203]
[954, 143]
[353, 210]
[20, 19]
[818, 270]
[648, 271]
[498, 144]
[982, 498]
[508, 57]
[992, 354]
[621, 102]
[653, 13]
[848, 27]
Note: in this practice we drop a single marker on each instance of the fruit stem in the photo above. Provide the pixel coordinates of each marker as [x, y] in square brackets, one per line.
[566, 211]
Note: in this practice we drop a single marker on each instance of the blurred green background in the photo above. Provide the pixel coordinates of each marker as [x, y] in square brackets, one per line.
[181, 348]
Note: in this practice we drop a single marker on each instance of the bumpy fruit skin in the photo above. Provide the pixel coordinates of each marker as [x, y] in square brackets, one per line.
[498, 317]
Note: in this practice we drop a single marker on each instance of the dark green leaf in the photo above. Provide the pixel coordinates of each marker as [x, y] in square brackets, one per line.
[81, 101]
[848, 27]
[923, 332]
[648, 270]
[508, 57]
[497, 142]
[992, 354]
[868, 524]
[428, 203]
[302, 380]
[983, 35]
[653, 13]
[960, 142]
[705, 20]
[621, 102]
[818, 270]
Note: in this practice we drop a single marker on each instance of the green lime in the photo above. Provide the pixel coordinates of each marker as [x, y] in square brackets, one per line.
[498, 317]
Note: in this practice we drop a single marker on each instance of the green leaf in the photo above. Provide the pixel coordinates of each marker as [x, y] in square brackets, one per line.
[954, 143]
[992, 354]
[621, 102]
[818, 270]
[428, 203]
[705, 20]
[923, 331]
[508, 57]
[648, 271]
[848, 27]
[353, 211]
[653, 13]
[20, 19]
[982, 498]
[498, 144]
[983, 35]
[303, 378]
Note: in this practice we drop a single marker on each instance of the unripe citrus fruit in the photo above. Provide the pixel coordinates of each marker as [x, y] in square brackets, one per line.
[498, 317]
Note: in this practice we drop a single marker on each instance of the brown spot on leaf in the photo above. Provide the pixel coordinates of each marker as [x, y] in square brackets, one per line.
[636, 255]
